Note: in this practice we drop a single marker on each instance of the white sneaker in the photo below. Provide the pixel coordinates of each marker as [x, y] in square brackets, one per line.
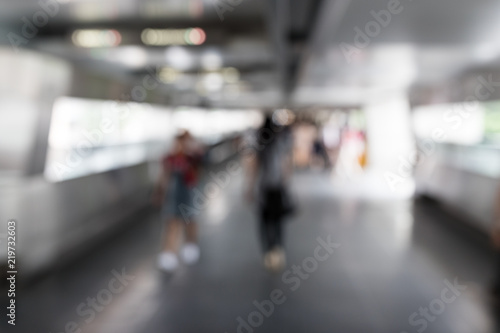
[279, 253]
[275, 259]
[268, 260]
[167, 261]
[190, 253]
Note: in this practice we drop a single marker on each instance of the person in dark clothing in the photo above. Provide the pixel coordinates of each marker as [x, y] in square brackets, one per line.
[269, 173]
[320, 153]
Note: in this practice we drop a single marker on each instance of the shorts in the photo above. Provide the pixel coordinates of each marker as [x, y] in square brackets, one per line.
[178, 201]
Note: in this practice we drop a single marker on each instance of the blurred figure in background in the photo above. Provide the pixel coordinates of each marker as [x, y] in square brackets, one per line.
[174, 190]
[270, 170]
[353, 157]
[304, 134]
[363, 156]
[320, 158]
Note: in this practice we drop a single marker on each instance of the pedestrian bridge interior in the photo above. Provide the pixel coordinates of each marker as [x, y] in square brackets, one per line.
[249, 166]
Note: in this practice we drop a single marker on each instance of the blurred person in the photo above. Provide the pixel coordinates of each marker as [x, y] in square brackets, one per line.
[352, 158]
[332, 137]
[320, 156]
[174, 190]
[269, 173]
[304, 134]
[363, 156]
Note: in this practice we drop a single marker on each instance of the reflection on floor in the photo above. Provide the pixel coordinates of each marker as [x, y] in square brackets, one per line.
[397, 263]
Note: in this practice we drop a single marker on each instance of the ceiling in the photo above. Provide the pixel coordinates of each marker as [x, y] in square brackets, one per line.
[286, 52]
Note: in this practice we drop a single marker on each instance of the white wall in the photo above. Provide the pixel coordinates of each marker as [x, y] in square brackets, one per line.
[29, 83]
[389, 137]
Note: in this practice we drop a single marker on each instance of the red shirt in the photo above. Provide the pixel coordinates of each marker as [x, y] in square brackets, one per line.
[184, 164]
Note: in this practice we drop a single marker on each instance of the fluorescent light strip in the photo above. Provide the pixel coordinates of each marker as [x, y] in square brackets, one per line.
[163, 37]
[96, 38]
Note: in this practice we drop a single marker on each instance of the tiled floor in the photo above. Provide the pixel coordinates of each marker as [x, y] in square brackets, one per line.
[392, 260]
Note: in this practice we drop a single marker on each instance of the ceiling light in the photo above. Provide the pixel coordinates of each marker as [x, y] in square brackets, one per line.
[213, 82]
[178, 58]
[231, 75]
[211, 60]
[163, 37]
[195, 36]
[131, 56]
[168, 75]
[96, 38]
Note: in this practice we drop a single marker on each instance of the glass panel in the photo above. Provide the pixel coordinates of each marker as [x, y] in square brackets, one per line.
[89, 136]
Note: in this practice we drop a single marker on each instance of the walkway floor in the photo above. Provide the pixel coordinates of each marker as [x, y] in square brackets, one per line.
[392, 260]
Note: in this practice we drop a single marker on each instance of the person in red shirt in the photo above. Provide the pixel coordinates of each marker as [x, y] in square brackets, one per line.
[175, 190]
